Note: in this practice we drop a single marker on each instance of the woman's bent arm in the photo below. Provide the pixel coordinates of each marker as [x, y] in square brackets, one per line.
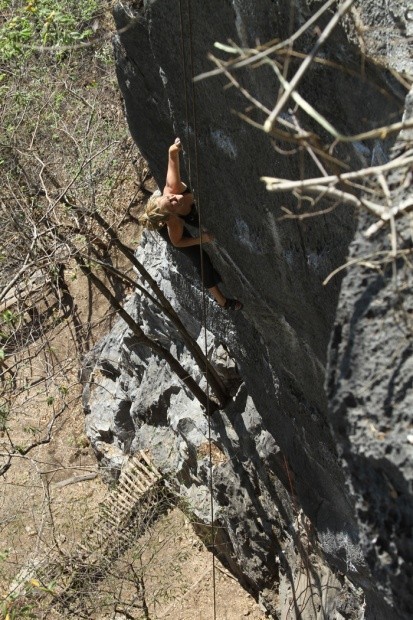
[176, 234]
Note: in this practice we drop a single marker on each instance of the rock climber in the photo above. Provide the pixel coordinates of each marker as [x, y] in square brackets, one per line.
[169, 212]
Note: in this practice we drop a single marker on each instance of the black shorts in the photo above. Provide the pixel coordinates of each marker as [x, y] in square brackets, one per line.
[200, 259]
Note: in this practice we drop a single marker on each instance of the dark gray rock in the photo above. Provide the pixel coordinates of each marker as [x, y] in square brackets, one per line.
[282, 501]
[383, 30]
[371, 396]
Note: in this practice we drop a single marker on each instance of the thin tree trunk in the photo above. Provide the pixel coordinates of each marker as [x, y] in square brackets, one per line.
[143, 339]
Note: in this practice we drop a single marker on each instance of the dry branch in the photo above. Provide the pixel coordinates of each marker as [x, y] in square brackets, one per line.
[275, 184]
[238, 64]
[269, 123]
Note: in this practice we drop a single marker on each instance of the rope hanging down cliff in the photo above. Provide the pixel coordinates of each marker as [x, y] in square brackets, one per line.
[204, 306]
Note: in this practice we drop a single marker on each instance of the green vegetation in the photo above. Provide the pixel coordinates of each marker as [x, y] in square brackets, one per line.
[4, 416]
[30, 25]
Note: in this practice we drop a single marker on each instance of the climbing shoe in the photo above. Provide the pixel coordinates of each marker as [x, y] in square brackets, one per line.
[233, 304]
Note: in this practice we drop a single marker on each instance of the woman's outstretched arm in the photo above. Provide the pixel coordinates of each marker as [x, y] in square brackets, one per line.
[174, 185]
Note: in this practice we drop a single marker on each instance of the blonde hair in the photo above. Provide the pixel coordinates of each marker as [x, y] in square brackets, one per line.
[154, 218]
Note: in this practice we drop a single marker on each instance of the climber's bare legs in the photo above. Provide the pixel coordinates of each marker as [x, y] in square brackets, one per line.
[217, 295]
[224, 302]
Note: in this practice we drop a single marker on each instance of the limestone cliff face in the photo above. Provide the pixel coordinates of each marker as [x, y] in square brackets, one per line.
[287, 519]
[370, 389]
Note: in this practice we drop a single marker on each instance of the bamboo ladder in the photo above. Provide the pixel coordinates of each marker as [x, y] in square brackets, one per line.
[123, 516]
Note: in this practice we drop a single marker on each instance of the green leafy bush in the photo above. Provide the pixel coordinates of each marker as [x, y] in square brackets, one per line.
[30, 25]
